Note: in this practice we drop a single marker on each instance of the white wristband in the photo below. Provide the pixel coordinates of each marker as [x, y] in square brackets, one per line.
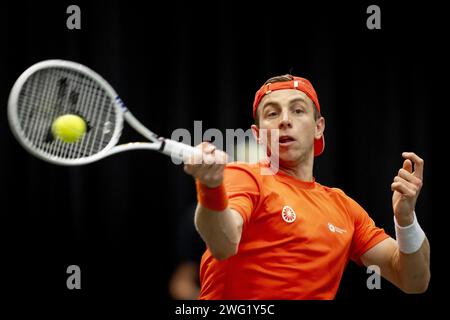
[409, 238]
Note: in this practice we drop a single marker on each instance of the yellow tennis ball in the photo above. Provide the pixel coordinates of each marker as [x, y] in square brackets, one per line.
[69, 127]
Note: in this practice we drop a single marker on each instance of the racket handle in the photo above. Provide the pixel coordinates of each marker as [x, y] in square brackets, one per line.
[178, 150]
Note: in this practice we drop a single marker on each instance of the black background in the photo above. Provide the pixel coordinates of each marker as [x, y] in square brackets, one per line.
[176, 62]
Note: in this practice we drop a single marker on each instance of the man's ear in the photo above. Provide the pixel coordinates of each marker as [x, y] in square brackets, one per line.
[320, 127]
[255, 131]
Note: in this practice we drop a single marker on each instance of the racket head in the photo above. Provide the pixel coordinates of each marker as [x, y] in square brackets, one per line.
[51, 88]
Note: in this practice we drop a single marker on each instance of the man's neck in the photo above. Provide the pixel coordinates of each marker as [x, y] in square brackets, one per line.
[302, 170]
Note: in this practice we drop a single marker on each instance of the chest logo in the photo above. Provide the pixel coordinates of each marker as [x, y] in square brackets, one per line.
[288, 214]
[333, 228]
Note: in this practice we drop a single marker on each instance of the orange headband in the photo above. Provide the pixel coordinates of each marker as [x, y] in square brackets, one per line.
[298, 83]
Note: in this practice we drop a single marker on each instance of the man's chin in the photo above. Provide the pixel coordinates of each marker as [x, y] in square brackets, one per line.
[290, 157]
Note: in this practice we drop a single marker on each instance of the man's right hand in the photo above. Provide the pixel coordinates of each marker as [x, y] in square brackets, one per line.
[209, 169]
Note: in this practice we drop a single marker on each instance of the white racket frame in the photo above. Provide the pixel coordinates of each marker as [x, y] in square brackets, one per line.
[176, 150]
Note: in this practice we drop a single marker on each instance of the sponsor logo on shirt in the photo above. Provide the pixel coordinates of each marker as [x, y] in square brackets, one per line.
[288, 214]
[333, 228]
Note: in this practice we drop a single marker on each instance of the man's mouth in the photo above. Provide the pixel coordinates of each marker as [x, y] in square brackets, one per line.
[286, 140]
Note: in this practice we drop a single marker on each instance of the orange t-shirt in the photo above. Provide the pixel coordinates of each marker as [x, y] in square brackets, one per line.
[296, 241]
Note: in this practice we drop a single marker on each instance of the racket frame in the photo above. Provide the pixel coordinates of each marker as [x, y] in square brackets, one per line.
[178, 151]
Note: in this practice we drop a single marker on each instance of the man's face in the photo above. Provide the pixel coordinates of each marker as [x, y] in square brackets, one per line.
[292, 113]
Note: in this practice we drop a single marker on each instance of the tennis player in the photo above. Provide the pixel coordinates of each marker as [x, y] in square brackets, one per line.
[285, 236]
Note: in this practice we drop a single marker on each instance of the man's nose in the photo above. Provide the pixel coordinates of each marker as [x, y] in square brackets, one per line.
[285, 121]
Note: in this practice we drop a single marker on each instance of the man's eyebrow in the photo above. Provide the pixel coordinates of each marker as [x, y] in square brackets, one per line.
[275, 103]
[270, 103]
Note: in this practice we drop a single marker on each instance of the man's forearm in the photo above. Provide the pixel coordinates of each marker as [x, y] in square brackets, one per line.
[221, 231]
[413, 270]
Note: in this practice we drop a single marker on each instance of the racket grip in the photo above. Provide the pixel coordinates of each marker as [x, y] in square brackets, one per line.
[178, 150]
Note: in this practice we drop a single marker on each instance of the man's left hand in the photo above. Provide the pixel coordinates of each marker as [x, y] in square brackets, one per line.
[406, 187]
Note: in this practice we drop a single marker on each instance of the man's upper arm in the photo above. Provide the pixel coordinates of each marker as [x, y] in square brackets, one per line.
[239, 222]
[382, 255]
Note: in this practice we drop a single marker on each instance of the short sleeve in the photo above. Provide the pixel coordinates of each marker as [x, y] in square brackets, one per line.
[366, 233]
[242, 189]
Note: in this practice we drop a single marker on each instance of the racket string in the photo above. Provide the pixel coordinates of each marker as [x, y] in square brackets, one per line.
[45, 132]
[52, 92]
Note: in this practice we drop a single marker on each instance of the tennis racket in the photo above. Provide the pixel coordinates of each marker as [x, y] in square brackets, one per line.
[51, 88]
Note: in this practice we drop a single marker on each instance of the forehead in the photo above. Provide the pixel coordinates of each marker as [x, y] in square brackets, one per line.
[284, 96]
